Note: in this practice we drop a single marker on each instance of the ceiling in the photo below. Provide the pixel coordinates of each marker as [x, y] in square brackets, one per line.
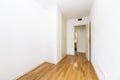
[47, 3]
[75, 8]
[70, 8]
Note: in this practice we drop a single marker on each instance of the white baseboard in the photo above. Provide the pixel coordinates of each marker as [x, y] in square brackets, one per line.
[70, 54]
[98, 70]
[29, 70]
[82, 52]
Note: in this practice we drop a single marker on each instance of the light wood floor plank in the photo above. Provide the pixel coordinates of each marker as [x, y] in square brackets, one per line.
[70, 68]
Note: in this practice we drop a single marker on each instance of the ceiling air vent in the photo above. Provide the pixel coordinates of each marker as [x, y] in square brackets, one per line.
[80, 19]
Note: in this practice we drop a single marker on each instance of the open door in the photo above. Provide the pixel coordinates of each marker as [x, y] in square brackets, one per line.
[80, 39]
[86, 39]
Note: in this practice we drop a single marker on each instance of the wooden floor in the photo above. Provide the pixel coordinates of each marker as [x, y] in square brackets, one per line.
[70, 68]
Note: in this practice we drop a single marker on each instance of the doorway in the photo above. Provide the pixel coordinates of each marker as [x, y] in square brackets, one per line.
[82, 40]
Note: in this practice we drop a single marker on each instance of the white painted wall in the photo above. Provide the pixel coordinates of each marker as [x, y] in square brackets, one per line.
[105, 21]
[27, 36]
[71, 23]
[64, 36]
[61, 36]
[81, 41]
[51, 21]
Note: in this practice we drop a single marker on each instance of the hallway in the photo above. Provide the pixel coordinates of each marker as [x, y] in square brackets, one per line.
[70, 68]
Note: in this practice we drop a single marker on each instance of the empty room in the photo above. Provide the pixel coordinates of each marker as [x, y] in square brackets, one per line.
[59, 40]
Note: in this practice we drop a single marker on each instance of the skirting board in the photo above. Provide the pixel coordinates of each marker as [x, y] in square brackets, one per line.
[37, 67]
[82, 52]
[27, 71]
[70, 54]
[99, 72]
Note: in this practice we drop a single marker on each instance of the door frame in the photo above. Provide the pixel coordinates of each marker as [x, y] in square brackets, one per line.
[88, 40]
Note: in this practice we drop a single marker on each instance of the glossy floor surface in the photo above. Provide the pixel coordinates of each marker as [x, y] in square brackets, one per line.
[70, 68]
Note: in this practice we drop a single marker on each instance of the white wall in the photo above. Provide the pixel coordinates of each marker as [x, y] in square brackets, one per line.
[81, 41]
[27, 36]
[64, 36]
[71, 23]
[51, 21]
[105, 19]
[61, 35]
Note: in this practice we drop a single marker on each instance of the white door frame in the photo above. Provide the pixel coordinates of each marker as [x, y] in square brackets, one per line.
[88, 39]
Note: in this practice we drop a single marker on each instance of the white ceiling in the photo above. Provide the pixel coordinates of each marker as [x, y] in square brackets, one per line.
[75, 8]
[70, 8]
[47, 3]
